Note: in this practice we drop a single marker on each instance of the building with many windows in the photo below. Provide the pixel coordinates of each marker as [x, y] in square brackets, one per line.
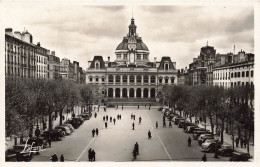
[41, 62]
[131, 78]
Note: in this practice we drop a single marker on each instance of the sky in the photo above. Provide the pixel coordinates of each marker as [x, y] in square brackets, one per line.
[79, 32]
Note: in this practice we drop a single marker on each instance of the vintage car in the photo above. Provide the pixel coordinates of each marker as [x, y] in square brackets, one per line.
[177, 120]
[16, 154]
[189, 128]
[225, 150]
[197, 133]
[204, 137]
[211, 146]
[66, 130]
[160, 108]
[41, 141]
[69, 126]
[85, 116]
[181, 123]
[240, 156]
[55, 134]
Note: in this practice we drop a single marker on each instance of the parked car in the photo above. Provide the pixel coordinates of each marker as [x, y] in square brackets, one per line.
[74, 122]
[170, 117]
[189, 128]
[66, 130]
[211, 146]
[41, 141]
[55, 134]
[85, 116]
[197, 133]
[160, 108]
[225, 150]
[186, 124]
[181, 123]
[240, 156]
[15, 154]
[177, 120]
[203, 138]
[69, 126]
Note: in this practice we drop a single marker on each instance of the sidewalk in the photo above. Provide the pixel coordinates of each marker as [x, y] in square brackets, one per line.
[228, 139]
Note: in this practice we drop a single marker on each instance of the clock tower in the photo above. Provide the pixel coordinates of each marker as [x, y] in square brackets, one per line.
[132, 50]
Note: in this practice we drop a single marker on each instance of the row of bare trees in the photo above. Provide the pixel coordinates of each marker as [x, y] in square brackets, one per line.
[230, 110]
[30, 99]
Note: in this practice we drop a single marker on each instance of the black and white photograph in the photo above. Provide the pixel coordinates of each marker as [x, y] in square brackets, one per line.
[128, 83]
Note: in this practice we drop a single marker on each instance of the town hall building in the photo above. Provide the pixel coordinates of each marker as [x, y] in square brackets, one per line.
[132, 78]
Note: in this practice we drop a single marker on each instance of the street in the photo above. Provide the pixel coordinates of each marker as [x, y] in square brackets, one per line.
[116, 143]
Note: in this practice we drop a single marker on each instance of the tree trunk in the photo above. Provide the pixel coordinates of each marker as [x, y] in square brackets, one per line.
[227, 126]
[61, 116]
[222, 129]
[211, 124]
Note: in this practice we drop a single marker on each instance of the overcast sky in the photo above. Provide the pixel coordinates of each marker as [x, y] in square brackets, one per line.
[79, 32]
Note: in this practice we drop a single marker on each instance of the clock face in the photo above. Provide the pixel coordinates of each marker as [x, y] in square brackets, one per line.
[131, 46]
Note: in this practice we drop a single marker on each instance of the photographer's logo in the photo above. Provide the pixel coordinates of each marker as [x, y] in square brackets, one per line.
[32, 148]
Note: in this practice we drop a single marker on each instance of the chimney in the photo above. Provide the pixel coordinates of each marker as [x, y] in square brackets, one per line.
[39, 44]
[53, 53]
[108, 59]
[9, 31]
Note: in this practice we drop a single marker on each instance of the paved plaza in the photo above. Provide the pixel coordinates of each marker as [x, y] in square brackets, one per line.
[116, 143]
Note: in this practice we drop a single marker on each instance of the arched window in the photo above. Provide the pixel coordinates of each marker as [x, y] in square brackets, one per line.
[132, 79]
[124, 78]
[146, 78]
[117, 79]
[97, 65]
[152, 79]
[111, 78]
[166, 67]
[138, 79]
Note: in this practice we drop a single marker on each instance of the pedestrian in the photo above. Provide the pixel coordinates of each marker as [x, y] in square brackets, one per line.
[137, 148]
[106, 125]
[156, 124]
[93, 132]
[105, 108]
[98, 109]
[204, 158]
[61, 158]
[117, 116]
[114, 121]
[164, 124]
[97, 131]
[245, 142]
[95, 115]
[170, 124]
[107, 117]
[237, 142]
[241, 142]
[120, 117]
[140, 120]
[104, 118]
[149, 135]
[133, 125]
[54, 158]
[134, 117]
[138, 106]
[189, 141]
[110, 119]
[93, 153]
[49, 141]
[131, 115]
[89, 154]
[163, 118]
[134, 154]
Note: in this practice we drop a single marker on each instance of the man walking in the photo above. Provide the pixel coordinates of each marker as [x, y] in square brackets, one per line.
[114, 121]
[89, 154]
[95, 115]
[54, 158]
[106, 125]
[110, 119]
[204, 158]
[93, 155]
[137, 148]
[189, 141]
[104, 118]
[107, 117]
[134, 117]
[149, 135]
[164, 124]
[97, 131]
[133, 125]
[93, 132]
[170, 124]
[140, 120]
[156, 124]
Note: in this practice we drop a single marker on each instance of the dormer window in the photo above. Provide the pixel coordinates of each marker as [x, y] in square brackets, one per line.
[145, 56]
[138, 56]
[97, 64]
[166, 66]
[125, 56]
[118, 56]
